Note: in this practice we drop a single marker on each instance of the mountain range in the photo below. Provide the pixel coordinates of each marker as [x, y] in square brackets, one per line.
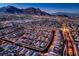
[31, 11]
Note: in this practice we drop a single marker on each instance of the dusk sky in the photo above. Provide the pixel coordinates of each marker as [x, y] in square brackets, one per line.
[48, 7]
